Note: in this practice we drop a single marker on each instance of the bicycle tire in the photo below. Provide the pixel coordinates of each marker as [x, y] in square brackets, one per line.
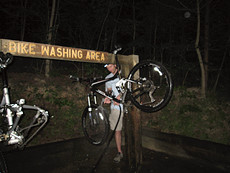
[155, 78]
[97, 133]
[3, 166]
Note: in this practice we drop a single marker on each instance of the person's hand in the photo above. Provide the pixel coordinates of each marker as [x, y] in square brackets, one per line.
[107, 100]
[118, 98]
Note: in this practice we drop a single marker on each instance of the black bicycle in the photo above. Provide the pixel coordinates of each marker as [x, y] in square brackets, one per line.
[148, 86]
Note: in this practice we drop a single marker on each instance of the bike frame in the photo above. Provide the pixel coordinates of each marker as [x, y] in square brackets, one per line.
[12, 136]
[94, 89]
[94, 86]
[6, 98]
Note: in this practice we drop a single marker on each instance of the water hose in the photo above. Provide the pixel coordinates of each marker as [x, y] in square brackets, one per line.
[107, 146]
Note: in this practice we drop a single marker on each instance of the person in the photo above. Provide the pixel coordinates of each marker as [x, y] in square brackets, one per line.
[110, 86]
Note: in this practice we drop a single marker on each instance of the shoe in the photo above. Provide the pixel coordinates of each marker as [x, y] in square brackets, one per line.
[118, 157]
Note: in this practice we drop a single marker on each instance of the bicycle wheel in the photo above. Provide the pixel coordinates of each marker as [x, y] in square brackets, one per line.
[152, 86]
[95, 125]
[3, 167]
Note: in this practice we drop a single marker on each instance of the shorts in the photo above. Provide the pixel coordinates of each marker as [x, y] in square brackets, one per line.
[113, 117]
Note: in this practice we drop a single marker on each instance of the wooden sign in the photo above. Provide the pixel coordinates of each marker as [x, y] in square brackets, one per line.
[46, 51]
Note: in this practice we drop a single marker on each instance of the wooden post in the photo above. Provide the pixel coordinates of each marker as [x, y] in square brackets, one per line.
[132, 124]
[133, 140]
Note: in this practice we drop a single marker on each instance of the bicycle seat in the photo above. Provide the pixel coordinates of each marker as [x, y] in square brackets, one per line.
[117, 49]
[5, 59]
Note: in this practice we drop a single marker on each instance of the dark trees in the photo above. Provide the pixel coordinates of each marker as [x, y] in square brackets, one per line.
[161, 30]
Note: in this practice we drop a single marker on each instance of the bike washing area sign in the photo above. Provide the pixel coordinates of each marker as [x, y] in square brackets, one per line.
[132, 122]
[37, 50]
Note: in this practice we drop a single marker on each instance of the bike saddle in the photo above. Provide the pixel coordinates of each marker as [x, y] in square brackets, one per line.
[5, 59]
[117, 49]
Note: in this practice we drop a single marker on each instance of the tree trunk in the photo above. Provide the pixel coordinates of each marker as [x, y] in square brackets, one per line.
[103, 24]
[222, 64]
[50, 34]
[23, 19]
[203, 79]
[134, 26]
[113, 38]
[219, 71]
[155, 31]
[206, 44]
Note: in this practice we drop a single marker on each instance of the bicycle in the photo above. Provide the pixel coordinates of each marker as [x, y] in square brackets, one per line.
[11, 132]
[148, 86]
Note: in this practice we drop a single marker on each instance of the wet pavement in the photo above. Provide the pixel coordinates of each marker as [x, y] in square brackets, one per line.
[77, 155]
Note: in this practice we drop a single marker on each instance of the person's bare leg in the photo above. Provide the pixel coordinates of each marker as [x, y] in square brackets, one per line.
[118, 141]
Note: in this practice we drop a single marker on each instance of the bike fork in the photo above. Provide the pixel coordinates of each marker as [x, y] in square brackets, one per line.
[90, 110]
[9, 114]
[89, 101]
